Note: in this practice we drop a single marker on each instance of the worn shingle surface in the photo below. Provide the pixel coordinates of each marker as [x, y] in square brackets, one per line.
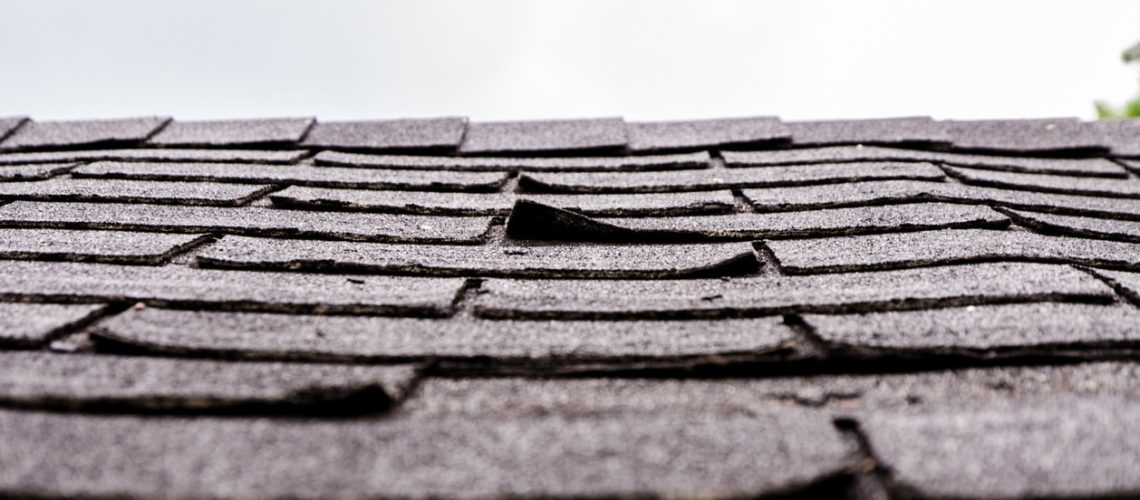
[432, 308]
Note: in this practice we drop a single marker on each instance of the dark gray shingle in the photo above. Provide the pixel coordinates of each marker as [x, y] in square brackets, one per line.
[228, 133]
[389, 135]
[549, 136]
[156, 155]
[582, 164]
[1042, 135]
[911, 130]
[25, 324]
[1087, 227]
[86, 133]
[1088, 186]
[701, 134]
[126, 191]
[94, 246]
[32, 172]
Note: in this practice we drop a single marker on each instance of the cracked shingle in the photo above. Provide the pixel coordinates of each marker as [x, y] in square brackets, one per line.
[126, 191]
[232, 290]
[228, 133]
[593, 261]
[700, 134]
[988, 330]
[86, 133]
[389, 135]
[1079, 226]
[25, 324]
[884, 290]
[305, 175]
[778, 452]
[491, 345]
[94, 246]
[700, 180]
[534, 221]
[86, 382]
[592, 135]
[1128, 284]
[1042, 447]
[910, 130]
[1044, 135]
[32, 172]
[156, 155]
[251, 221]
[957, 246]
[1089, 186]
[582, 164]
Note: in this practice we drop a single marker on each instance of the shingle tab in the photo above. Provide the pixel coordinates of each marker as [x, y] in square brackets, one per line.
[25, 324]
[533, 221]
[566, 164]
[578, 136]
[931, 248]
[304, 175]
[585, 261]
[126, 191]
[88, 133]
[1080, 226]
[94, 246]
[540, 345]
[885, 290]
[668, 455]
[1043, 447]
[1037, 329]
[226, 133]
[910, 130]
[9, 124]
[1025, 136]
[155, 155]
[890, 192]
[253, 221]
[33, 172]
[1089, 186]
[700, 134]
[703, 180]
[231, 290]
[1128, 284]
[390, 135]
[1123, 136]
[85, 382]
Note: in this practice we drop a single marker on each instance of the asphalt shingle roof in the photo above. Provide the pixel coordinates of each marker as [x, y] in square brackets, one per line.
[435, 307]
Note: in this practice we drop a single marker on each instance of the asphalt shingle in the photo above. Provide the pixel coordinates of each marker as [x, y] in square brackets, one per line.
[1123, 136]
[550, 136]
[126, 191]
[303, 175]
[24, 324]
[102, 383]
[884, 290]
[88, 133]
[391, 135]
[32, 172]
[685, 161]
[1042, 135]
[156, 155]
[911, 130]
[94, 246]
[9, 124]
[701, 134]
[933, 248]
[703, 180]
[1086, 227]
[229, 133]
[251, 221]
[1088, 186]
[1128, 284]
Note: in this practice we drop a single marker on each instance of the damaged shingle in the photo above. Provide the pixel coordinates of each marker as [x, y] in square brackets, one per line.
[911, 130]
[989, 330]
[932, 248]
[576, 136]
[1128, 284]
[592, 261]
[1125, 188]
[114, 383]
[390, 135]
[700, 134]
[1041, 447]
[778, 452]
[582, 164]
[304, 175]
[32, 172]
[534, 345]
[885, 290]
[535, 221]
[231, 290]
[1043, 135]
[702, 180]
[230, 133]
[25, 324]
[94, 246]
[252, 221]
[88, 133]
[156, 155]
[1080, 226]
[126, 191]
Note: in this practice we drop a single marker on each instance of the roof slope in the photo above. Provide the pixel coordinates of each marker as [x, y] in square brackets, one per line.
[435, 307]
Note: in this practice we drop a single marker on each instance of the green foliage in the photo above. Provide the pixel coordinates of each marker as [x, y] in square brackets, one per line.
[1131, 109]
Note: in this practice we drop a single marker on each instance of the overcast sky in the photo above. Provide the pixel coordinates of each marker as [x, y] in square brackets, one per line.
[515, 59]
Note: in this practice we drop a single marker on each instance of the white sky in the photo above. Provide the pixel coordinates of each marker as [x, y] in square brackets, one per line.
[514, 59]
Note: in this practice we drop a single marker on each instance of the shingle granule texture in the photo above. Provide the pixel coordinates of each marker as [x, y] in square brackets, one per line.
[253, 132]
[904, 130]
[598, 135]
[126, 191]
[94, 246]
[9, 124]
[389, 135]
[1087, 227]
[581, 164]
[156, 155]
[28, 324]
[698, 134]
[1124, 188]
[1025, 136]
[89, 133]
[32, 172]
